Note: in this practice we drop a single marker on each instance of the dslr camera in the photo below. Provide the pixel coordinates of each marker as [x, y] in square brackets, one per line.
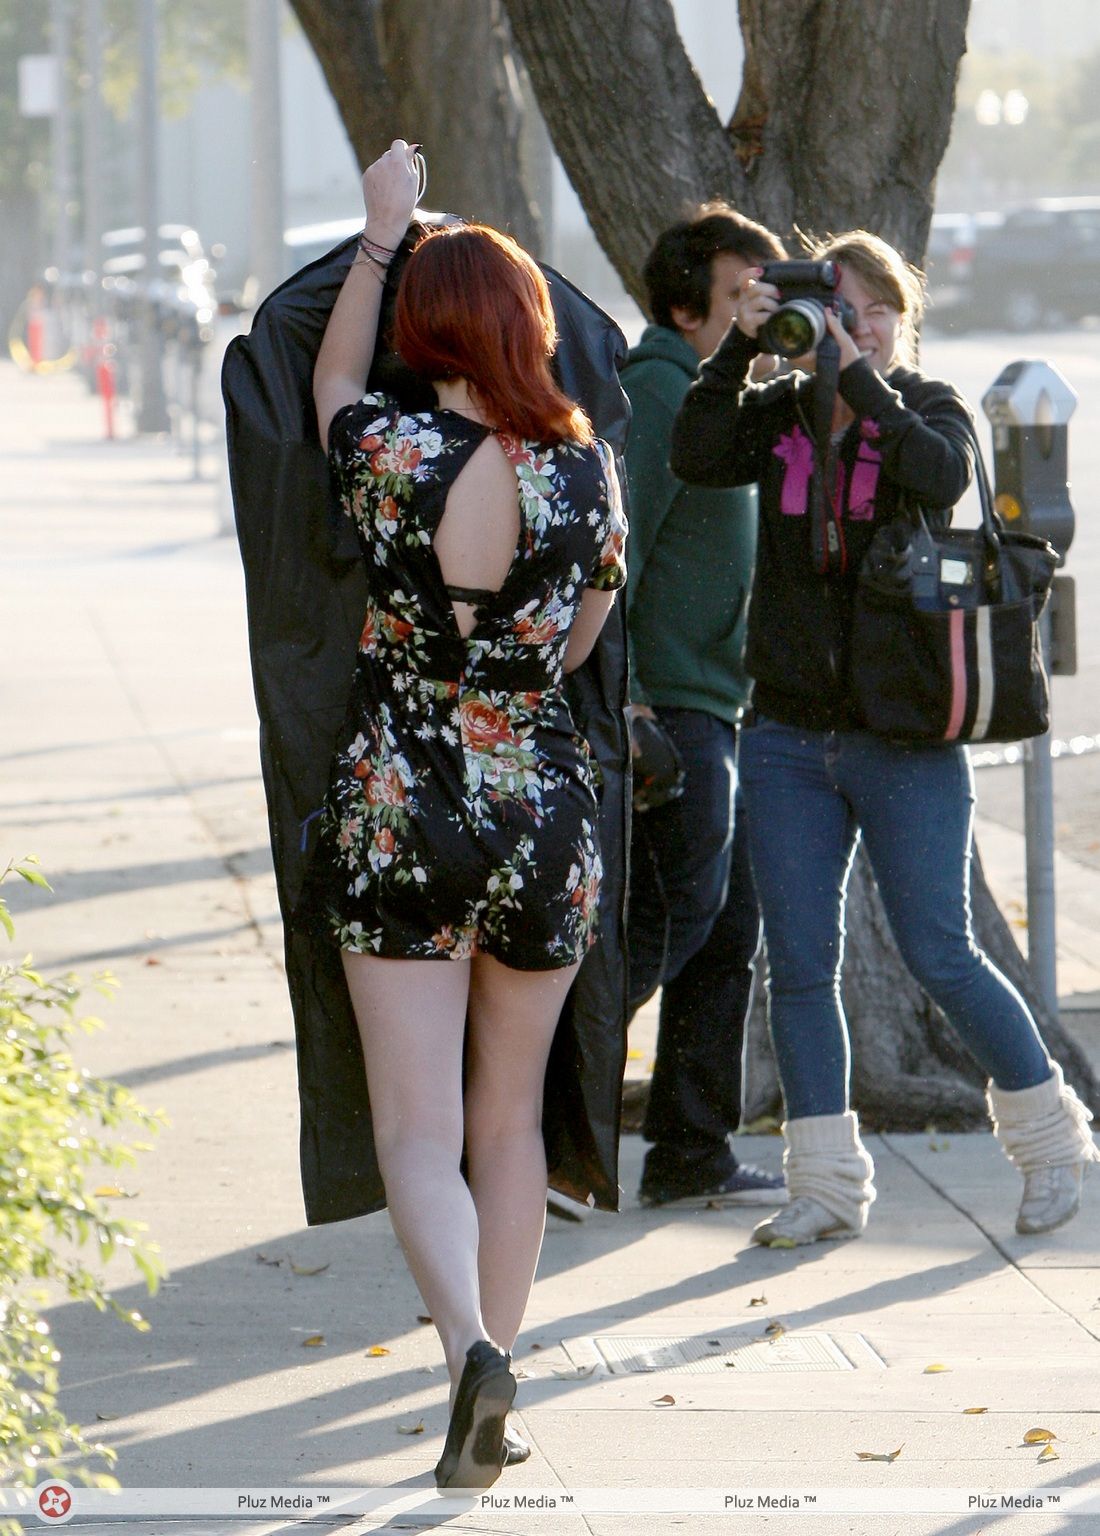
[806, 290]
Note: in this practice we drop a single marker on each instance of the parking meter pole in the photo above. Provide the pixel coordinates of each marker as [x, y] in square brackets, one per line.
[1039, 843]
[1029, 406]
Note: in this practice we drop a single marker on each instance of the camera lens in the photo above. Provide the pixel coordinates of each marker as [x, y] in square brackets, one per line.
[795, 328]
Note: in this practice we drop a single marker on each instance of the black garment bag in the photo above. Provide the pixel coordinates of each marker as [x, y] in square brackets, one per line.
[306, 594]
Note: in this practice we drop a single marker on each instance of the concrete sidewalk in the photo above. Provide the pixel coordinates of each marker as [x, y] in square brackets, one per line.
[662, 1351]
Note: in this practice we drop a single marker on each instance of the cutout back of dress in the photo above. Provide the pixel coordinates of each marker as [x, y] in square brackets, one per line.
[475, 542]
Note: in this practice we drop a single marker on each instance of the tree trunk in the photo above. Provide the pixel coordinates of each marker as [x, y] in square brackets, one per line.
[844, 114]
[441, 75]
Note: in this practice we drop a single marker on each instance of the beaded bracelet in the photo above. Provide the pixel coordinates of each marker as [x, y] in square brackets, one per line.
[377, 267]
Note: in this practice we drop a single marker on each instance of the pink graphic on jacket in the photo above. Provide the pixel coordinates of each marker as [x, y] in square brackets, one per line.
[864, 482]
[796, 452]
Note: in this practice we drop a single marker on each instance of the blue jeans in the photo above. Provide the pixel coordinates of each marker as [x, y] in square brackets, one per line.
[809, 794]
[692, 929]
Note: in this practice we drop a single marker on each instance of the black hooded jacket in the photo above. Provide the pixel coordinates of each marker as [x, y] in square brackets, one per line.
[306, 594]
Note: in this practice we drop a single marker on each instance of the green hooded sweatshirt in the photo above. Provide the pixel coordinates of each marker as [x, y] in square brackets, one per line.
[691, 550]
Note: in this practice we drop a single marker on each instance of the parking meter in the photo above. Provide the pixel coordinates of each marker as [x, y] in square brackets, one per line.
[1029, 405]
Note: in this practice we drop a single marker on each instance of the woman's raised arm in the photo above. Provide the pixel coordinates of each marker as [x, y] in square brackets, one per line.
[340, 373]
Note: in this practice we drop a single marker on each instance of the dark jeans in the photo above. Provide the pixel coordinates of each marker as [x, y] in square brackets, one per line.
[692, 929]
[809, 794]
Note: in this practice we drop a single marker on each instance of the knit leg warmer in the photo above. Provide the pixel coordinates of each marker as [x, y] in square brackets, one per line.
[825, 1159]
[1042, 1127]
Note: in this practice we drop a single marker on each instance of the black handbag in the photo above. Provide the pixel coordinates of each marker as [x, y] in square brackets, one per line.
[946, 643]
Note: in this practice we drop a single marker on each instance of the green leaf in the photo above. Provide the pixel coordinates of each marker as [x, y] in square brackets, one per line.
[33, 877]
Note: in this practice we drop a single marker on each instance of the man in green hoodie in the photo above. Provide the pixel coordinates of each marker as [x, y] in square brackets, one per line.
[693, 923]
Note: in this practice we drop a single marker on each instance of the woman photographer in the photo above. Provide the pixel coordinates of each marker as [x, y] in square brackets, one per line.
[459, 859]
[814, 781]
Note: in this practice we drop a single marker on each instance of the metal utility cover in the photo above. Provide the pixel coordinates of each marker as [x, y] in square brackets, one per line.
[738, 1350]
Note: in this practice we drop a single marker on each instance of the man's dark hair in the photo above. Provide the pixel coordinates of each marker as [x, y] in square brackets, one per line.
[677, 271]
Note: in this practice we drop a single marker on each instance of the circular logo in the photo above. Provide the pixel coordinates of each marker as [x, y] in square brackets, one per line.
[54, 1502]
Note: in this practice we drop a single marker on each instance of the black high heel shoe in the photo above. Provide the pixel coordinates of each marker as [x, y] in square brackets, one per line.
[474, 1449]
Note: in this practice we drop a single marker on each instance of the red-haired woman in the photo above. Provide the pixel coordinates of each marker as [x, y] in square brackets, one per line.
[460, 829]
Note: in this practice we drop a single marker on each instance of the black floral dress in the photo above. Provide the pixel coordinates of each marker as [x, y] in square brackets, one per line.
[461, 815]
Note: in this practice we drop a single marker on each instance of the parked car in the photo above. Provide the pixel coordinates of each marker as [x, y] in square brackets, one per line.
[1040, 267]
[185, 275]
[308, 242]
[948, 262]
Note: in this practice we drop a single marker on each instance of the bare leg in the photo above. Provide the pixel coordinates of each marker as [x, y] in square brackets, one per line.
[411, 1016]
[513, 1016]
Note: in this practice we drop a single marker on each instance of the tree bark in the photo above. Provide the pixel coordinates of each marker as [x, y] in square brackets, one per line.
[844, 114]
[445, 76]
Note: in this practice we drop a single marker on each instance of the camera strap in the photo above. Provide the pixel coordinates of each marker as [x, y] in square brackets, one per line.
[829, 552]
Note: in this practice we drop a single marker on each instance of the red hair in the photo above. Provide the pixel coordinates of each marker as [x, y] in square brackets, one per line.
[472, 304]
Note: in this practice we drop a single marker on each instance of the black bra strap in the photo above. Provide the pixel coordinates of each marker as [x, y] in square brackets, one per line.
[477, 597]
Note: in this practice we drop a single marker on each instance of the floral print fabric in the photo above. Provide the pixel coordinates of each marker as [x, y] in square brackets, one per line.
[461, 817]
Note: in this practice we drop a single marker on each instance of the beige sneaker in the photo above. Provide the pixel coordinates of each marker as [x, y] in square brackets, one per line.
[805, 1220]
[1051, 1197]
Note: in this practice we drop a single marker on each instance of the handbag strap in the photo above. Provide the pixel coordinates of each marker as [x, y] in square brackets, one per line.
[992, 522]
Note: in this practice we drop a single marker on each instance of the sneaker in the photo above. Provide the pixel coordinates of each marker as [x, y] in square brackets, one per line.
[804, 1221]
[1051, 1197]
[746, 1185]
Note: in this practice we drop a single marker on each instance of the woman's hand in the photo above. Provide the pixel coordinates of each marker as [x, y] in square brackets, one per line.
[755, 301]
[389, 192]
[849, 352]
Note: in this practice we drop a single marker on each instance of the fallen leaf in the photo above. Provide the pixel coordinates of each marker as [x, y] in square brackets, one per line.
[411, 1429]
[422, 1317]
[314, 1341]
[934, 1370]
[536, 1346]
[714, 1343]
[782, 1242]
[304, 1269]
[377, 1349]
[939, 1146]
[153, 960]
[1039, 1436]
[262, 1258]
[775, 1330]
[878, 1455]
[1048, 1453]
[975, 1410]
[575, 1372]
[105, 1418]
[113, 1192]
[758, 1301]
[635, 1055]
[668, 1401]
